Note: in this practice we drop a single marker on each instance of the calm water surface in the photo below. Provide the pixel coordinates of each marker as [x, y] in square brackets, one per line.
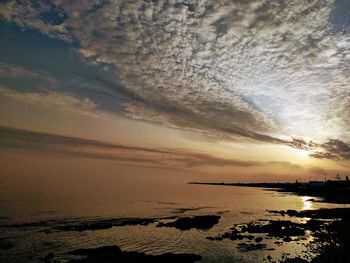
[110, 198]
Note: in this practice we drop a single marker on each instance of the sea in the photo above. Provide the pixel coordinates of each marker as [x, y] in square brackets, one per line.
[31, 205]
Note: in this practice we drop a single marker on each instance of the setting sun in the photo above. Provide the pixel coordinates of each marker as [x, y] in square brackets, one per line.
[304, 153]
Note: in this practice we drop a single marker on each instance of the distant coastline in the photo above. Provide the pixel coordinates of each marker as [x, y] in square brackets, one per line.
[331, 191]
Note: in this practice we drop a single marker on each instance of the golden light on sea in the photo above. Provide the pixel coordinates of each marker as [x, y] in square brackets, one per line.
[307, 204]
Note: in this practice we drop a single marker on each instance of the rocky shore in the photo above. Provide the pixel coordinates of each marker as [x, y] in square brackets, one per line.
[330, 227]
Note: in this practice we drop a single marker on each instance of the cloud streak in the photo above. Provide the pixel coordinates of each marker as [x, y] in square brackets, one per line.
[28, 141]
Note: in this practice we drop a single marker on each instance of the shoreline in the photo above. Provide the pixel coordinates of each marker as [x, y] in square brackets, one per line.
[329, 195]
[332, 241]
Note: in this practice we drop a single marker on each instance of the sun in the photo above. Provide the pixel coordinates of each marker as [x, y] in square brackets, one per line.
[304, 153]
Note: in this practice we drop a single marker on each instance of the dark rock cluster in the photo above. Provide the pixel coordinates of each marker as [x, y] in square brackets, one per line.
[112, 254]
[198, 222]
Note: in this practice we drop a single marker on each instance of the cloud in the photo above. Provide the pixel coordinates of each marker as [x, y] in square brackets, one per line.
[56, 100]
[30, 141]
[255, 69]
[333, 149]
[10, 71]
[302, 144]
[330, 149]
[45, 17]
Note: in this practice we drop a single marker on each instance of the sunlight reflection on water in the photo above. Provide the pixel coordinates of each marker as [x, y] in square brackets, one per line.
[307, 203]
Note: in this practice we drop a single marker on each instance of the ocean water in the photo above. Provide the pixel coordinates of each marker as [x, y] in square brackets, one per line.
[153, 199]
[62, 198]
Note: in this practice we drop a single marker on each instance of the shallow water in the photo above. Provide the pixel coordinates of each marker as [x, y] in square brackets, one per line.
[108, 197]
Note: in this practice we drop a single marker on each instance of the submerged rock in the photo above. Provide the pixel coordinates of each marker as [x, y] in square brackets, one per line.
[112, 254]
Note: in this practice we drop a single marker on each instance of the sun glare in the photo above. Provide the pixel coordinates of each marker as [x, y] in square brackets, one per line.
[304, 153]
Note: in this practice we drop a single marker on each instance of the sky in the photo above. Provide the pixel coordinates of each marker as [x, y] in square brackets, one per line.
[254, 90]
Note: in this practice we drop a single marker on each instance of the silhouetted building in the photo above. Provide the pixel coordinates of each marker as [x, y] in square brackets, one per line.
[317, 184]
[338, 184]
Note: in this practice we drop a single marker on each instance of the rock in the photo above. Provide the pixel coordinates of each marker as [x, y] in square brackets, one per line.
[258, 239]
[105, 224]
[6, 244]
[48, 257]
[291, 212]
[287, 239]
[198, 222]
[244, 247]
[218, 238]
[115, 254]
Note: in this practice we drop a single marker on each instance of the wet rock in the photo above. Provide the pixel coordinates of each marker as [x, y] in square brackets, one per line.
[258, 239]
[287, 239]
[276, 228]
[198, 222]
[218, 238]
[296, 260]
[6, 244]
[85, 224]
[313, 224]
[234, 236]
[329, 213]
[105, 224]
[48, 257]
[283, 229]
[115, 254]
[244, 247]
[292, 212]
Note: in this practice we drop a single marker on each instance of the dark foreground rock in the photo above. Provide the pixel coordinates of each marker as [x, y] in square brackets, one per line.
[48, 257]
[282, 230]
[331, 245]
[272, 228]
[329, 213]
[6, 243]
[182, 223]
[112, 254]
[198, 222]
[85, 224]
